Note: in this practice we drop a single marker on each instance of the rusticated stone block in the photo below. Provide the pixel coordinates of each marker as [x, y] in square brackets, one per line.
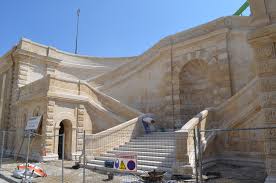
[80, 124]
[80, 118]
[81, 112]
[80, 130]
[50, 109]
[49, 128]
[50, 122]
[49, 142]
[51, 103]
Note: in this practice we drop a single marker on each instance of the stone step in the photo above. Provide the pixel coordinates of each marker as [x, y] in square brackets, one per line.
[102, 168]
[149, 146]
[141, 168]
[154, 151]
[166, 164]
[161, 138]
[123, 148]
[163, 134]
[157, 154]
[152, 142]
[107, 156]
[151, 168]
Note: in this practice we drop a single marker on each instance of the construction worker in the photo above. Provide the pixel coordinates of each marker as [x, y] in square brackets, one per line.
[148, 123]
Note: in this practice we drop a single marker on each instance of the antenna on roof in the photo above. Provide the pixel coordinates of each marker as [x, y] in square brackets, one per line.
[77, 34]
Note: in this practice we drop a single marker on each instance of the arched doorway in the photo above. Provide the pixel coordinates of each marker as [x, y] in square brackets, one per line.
[65, 127]
[194, 88]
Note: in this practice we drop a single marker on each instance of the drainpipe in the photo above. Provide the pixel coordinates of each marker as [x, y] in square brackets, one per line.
[229, 61]
[172, 87]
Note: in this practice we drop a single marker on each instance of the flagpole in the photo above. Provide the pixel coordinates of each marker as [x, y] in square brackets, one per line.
[77, 34]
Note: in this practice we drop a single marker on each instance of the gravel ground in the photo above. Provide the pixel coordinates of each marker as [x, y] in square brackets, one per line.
[230, 174]
[238, 174]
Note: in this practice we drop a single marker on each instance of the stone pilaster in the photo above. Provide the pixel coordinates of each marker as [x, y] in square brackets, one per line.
[22, 73]
[263, 42]
[49, 127]
[80, 127]
[50, 69]
[14, 95]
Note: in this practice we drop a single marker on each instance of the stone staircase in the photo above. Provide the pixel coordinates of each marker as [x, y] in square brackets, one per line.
[155, 151]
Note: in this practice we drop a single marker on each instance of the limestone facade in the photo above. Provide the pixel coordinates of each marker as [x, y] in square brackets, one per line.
[225, 67]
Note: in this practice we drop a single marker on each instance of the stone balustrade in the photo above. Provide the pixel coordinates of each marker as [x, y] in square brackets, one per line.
[113, 137]
[185, 143]
[235, 109]
[116, 106]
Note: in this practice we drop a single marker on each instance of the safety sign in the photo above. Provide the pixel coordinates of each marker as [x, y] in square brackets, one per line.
[126, 162]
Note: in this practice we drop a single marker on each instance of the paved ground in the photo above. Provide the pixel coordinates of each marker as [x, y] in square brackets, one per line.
[230, 174]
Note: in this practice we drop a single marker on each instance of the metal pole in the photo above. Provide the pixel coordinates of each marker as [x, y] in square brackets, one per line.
[77, 34]
[27, 158]
[172, 87]
[62, 161]
[2, 149]
[239, 129]
[199, 154]
[196, 159]
[84, 157]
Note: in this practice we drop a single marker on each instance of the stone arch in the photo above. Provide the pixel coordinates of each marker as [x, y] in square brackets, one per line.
[65, 115]
[65, 127]
[69, 123]
[202, 55]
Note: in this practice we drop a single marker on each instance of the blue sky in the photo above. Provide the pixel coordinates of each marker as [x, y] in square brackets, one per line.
[107, 27]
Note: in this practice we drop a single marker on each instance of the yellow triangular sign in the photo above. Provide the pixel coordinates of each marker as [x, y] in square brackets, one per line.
[122, 166]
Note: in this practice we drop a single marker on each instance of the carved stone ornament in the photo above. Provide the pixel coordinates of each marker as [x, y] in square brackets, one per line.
[265, 52]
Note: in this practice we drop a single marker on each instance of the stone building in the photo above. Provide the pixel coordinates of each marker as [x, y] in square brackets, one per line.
[224, 68]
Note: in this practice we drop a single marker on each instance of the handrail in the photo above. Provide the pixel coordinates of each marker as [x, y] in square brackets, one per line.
[107, 140]
[115, 129]
[108, 101]
[192, 123]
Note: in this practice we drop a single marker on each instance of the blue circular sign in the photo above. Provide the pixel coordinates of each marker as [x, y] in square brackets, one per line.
[131, 165]
[117, 164]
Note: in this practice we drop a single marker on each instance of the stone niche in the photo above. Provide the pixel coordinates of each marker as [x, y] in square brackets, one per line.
[194, 87]
[202, 84]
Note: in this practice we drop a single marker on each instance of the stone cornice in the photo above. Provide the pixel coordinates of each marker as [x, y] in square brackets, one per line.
[153, 55]
[211, 35]
[25, 53]
[51, 52]
[263, 35]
